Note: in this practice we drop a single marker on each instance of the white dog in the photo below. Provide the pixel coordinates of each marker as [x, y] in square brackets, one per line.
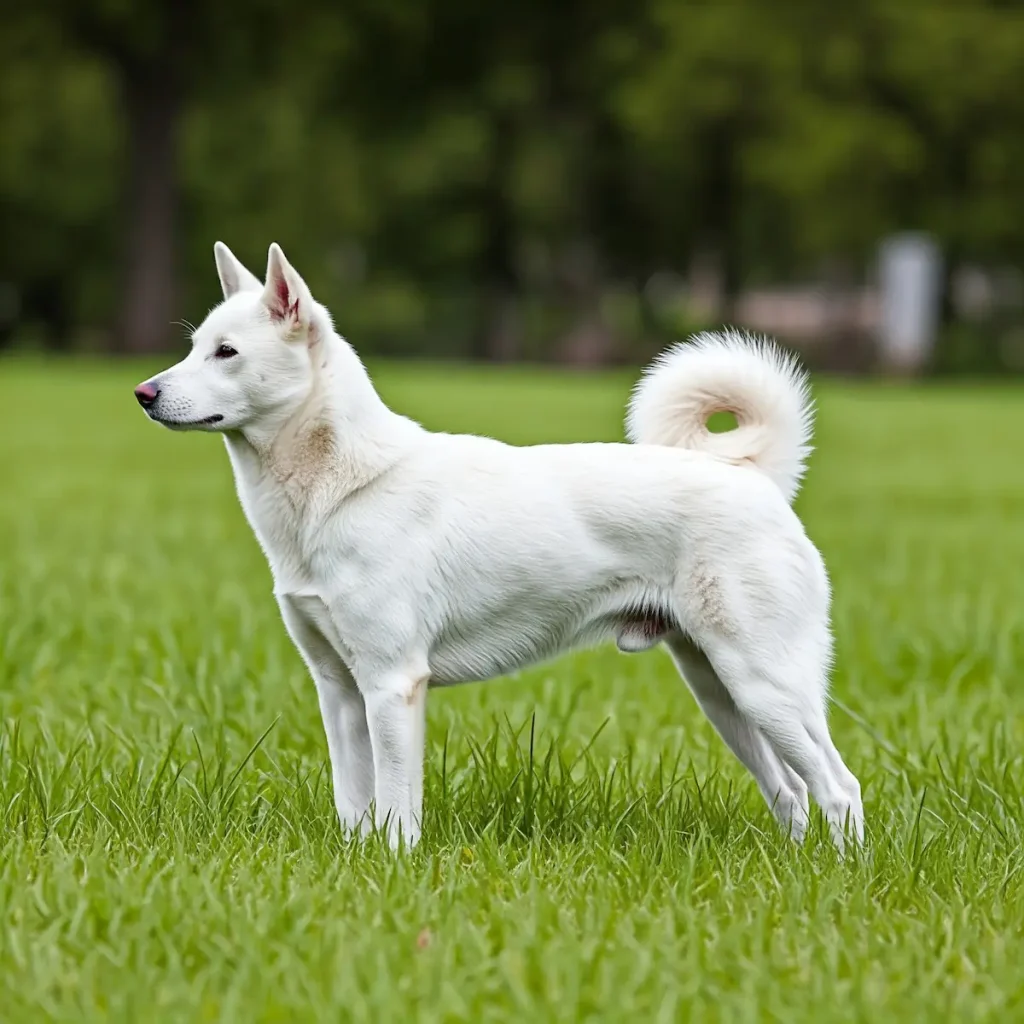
[404, 559]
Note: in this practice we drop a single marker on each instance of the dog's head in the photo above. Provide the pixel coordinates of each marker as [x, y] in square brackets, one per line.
[250, 358]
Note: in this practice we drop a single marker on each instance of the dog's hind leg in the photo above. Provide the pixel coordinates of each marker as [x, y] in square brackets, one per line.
[782, 692]
[781, 787]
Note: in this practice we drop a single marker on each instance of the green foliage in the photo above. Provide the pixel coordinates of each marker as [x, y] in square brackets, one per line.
[168, 847]
[429, 164]
[58, 170]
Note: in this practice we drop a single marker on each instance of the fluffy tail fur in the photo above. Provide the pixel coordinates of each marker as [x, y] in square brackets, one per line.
[751, 377]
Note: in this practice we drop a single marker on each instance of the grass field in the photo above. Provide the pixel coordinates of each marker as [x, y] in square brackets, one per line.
[168, 846]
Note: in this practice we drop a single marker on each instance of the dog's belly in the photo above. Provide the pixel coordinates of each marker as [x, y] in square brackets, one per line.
[505, 648]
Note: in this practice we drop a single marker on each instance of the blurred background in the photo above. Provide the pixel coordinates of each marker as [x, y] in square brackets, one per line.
[573, 183]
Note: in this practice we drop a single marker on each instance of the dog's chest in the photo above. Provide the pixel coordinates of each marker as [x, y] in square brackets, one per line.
[310, 563]
[279, 531]
[284, 528]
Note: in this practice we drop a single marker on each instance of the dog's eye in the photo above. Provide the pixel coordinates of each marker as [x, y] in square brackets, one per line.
[225, 352]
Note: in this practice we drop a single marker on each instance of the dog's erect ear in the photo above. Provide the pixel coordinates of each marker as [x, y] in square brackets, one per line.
[234, 277]
[286, 295]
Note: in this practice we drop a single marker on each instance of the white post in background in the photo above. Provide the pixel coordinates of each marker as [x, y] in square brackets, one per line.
[910, 273]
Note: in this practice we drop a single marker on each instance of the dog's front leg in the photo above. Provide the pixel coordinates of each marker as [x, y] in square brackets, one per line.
[344, 715]
[396, 714]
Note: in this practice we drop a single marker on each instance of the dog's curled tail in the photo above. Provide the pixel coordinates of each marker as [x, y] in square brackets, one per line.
[746, 375]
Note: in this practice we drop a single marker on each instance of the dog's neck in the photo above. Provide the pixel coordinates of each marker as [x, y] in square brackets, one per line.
[339, 437]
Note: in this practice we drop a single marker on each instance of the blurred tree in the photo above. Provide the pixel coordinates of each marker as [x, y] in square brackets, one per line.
[458, 178]
[150, 48]
[529, 97]
[59, 143]
[957, 83]
[899, 116]
[712, 90]
[161, 54]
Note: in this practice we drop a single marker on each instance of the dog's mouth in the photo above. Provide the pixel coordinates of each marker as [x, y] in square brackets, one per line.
[209, 421]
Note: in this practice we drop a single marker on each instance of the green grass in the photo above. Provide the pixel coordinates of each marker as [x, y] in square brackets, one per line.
[168, 848]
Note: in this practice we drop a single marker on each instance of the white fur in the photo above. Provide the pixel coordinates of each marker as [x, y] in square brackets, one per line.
[403, 558]
[751, 377]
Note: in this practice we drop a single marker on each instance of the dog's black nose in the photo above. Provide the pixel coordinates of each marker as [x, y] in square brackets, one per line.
[147, 394]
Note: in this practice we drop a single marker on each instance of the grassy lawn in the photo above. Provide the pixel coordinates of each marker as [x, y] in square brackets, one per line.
[168, 846]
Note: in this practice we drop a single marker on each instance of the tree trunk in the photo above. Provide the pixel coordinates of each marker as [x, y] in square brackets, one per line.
[589, 341]
[721, 212]
[148, 285]
[48, 301]
[498, 335]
